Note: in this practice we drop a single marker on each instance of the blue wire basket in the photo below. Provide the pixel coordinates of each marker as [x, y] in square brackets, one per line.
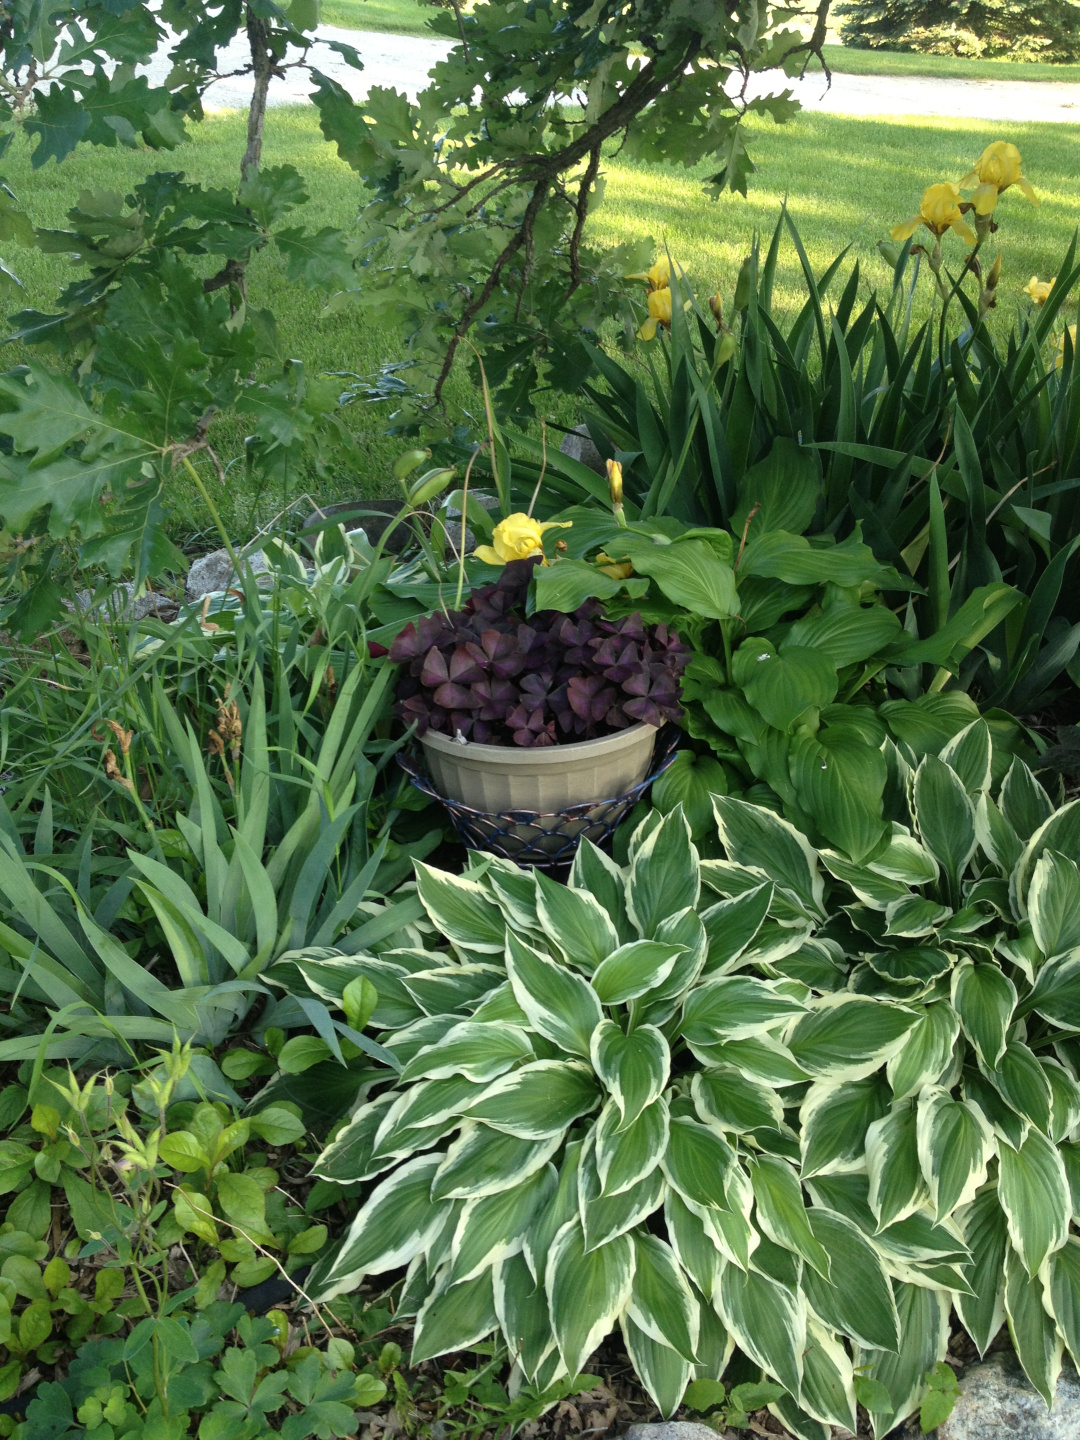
[546, 842]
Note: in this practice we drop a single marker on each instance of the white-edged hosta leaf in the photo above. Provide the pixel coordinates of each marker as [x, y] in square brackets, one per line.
[491, 1228]
[625, 1155]
[857, 1298]
[762, 1057]
[969, 753]
[419, 1110]
[731, 926]
[732, 1101]
[483, 1161]
[560, 1004]
[664, 874]
[455, 1318]
[498, 1007]
[540, 1099]
[767, 1320]
[603, 1217]
[1024, 801]
[781, 1213]
[1062, 1285]
[563, 1206]
[427, 1030]
[1059, 832]
[514, 891]
[663, 1372]
[1056, 993]
[801, 1425]
[477, 1051]
[846, 1037]
[1023, 1082]
[828, 1382]
[1053, 903]
[926, 1052]
[955, 1146]
[755, 837]
[693, 1243]
[460, 909]
[1034, 1194]
[634, 1067]
[897, 1187]
[1034, 1334]
[348, 1156]
[597, 874]
[661, 1302]
[924, 1339]
[524, 1318]
[987, 1237]
[633, 969]
[905, 860]
[587, 1290]
[984, 998]
[452, 987]
[1064, 1099]
[835, 1117]
[997, 838]
[698, 1163]
[396, 1221]
[945, 815]
[575, 922]
[736, 1007]
[873, 890]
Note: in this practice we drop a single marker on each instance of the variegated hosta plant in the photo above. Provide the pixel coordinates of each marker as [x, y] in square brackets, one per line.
[774, 1099]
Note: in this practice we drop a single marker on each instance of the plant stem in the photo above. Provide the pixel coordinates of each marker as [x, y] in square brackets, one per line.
[214, 515]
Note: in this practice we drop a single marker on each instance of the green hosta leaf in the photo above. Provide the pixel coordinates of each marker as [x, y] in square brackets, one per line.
[1038, 1345]
[984, 998]
[755, 837]
[576, 922]
[926, 1052]
[482, 1161]
[455, 1318]
[731, 926]
[689, 573]
[1053, 902]
[955, 1146]
[491, 1228]
[762, 1057]
[460, 909]
[892, 1161]
[1034, 1194]
[661, 1303]
[945, 815]
[633, 969]
[624, 1156]
[1064, 1293]
[523, 1314]
[559, 1004]
[835, 1118]
[781, 1213]
[477, 1051]
[998, 840]
[781, 686]
[828, 1383]
[1056, 995]
[664, 875]
[634, 1067]
[847, 1037]
[840, 781]
[587, 1291]
[736, 1007]
[846, 633]
[915, 917]
[663, 1372]
[924, 1338]
[732, 1101]
[857, 1298]
[396, 1222]
[767, 1320]
[539, 1100]
[802, 1425]
[986, 1235]
[697, 1163]
[691, 781]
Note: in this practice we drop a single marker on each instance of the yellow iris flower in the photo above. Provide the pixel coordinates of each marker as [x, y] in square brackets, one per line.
[939, 210]
[1039, 290]
[658, 276]
[617, 569]
[996, 169]
[516, 538]
[659, 303]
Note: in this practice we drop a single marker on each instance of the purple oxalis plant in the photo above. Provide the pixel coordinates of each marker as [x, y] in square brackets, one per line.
[496, 676]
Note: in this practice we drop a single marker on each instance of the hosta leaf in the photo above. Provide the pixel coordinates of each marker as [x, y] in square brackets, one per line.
[564, 1206]
[523, 1313]
[802, 1425]
[835, 1117]
[575, 922]
[477, 1051]
[1038, 1345]
[892, 1162]
[969, 753]
[348, 1155]
[460, 909]
[857, 1298]
[926, 1052]
[663, 1372]
[396, 1222]
[731, 925]
[599, 876]
[626, 1155]
[606, 1216]
[634, 1067]
[539, 1100]
[781, 686]
[1056, 994]
[559, 1004]
[417, 1113]
[697, 1163]
[998, 840]
[665, 875]
[955, 1146]
[1053, 902]
[1060, 832]
[986, 1234]
[735, 1007]
[514, 891]
[781, 1213]
[945, 815]
[1024, 801]
[828, 1382]
[756, 837]
[690, 573]
[661, 1303]
[984, 998]
[633, 969]
[732, 1101]
[1034, 1194]
[482, 1161]
[1064, 1293]
[491, 1228]
[840, 781]
[1022, 1081]
[762, 1057]
[587, 1290]
[905, 860]
[924, 1338]
[693, 1243]
[767, 1321]
[847, 1037]
[452, 987]
[1064, 1099]
[455, 1318]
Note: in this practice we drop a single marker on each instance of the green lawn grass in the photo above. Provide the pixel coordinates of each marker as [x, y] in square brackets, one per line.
[847, 180]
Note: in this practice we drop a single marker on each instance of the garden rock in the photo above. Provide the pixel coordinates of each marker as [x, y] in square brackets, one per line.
[121, 604]
[671, 1430]
[215, 572]
[998, 1402]
[374, 526]
[578, 444]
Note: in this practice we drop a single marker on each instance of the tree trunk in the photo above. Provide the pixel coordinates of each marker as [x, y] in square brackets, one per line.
[261, 64]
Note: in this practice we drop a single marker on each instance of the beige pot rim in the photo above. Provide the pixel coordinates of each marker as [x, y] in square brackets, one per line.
[539, 757]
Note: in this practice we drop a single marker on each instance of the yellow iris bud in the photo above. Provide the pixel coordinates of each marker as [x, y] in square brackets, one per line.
[614, 480]
[516, 538]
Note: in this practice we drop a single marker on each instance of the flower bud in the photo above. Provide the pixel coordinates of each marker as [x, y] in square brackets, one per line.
[742, 285]
[430, 484]
[614, 480]
[716, 305]
[410, 461]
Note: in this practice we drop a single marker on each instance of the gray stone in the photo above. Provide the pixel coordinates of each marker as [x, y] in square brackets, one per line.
[374, 524]
[671, 1430]
[579, 446]
[214, 572]
[120, 604]
[998, 1402]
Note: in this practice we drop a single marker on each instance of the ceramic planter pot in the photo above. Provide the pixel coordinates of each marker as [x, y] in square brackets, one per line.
[498, 779]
